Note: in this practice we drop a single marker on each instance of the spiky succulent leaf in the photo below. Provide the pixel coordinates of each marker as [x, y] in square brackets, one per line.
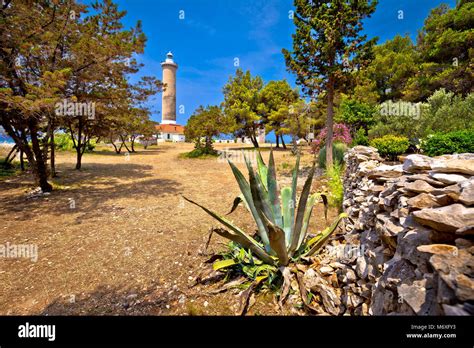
[286, 204]
[262, 169]
[240, 236]
[247, 194]
[245, 243]
[277, 242]
[223, 264]
[297, 230]
[318, 241]
[235, 204]
[294, 184]
[272, 186]
[306, 218]
[259, 194]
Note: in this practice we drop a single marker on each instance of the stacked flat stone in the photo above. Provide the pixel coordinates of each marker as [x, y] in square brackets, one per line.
[415, 223]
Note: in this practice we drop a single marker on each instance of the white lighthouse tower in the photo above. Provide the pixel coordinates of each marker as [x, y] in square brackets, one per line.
[168, 106]
[169, 130]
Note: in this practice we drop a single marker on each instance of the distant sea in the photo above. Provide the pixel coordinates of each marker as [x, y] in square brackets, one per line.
[6, 139]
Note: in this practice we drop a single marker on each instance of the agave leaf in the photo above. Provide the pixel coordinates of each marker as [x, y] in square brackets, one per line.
[307, 216]
[237, 201]
[285, 289]
[259, 194]
[239, 237]
[272, 187]
[318, 241]
[245, 243]
[262, 169]
[297, 230]
[286, 203]
[245, 297]
[247, 193]
[326, 205]
[277, 242]
[294, 184]
[223, 264]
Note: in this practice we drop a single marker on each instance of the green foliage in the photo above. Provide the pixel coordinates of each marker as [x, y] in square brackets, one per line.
[325, 32]
[356, 114]
[446, 112]
[336, 188]
[395, 61]
[390, 146]
[338, 151]
[242, 104]
[360, 138]
[201, 152]
[63, 142]
[446, 57]
[9, 169]
[241, 262]
[205, 123]
[276, 100]
[448, 143]
[282, 225]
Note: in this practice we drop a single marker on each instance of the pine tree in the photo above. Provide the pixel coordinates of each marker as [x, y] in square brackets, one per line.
[327, 46]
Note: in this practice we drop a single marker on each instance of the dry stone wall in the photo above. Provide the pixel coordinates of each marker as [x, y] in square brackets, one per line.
[414, 223]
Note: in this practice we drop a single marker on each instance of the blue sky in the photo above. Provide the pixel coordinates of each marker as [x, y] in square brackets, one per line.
[215, 32]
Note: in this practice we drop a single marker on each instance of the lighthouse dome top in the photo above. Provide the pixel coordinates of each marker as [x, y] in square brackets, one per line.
[169, 57]
[169, 60]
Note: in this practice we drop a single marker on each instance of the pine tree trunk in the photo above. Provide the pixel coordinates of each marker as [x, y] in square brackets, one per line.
[283, 141]
[40, 167]
[22, 161]
[53, 154]
[329, 123]
[277, 141]
[79, 146]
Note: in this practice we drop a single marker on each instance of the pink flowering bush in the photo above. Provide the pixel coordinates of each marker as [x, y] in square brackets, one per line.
[341, 134]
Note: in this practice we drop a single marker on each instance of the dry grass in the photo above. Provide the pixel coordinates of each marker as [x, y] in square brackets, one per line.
[117, 238]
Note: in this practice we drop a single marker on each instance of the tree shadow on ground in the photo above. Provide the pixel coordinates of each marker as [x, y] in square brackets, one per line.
[86, 191]
[107, 300]
[112, 152]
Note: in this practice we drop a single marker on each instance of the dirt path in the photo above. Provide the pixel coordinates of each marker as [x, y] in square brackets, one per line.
[116, 237]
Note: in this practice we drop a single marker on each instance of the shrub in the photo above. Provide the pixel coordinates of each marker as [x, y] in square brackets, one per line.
[201, 152]
[448, 143]
[360, 138]
[341, 134]
[63, 142]
[446, 112]
[338, 150]
[390, 146]
[336, 188]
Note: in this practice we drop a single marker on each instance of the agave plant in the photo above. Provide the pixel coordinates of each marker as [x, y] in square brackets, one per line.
[282, 225]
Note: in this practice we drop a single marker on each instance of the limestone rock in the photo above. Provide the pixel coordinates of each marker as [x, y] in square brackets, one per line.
[419, 186]
[370, 153]
[446, 219]
[316, 284]
[427, 178]
[449, 179]
[460, 166]
[438, 249]
[467, 192]
[386, 171]
[414, 294]
[423, 200]
[414, 163]
[366, 167]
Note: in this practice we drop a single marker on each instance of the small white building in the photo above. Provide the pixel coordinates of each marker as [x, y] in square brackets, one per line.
[170, 132]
